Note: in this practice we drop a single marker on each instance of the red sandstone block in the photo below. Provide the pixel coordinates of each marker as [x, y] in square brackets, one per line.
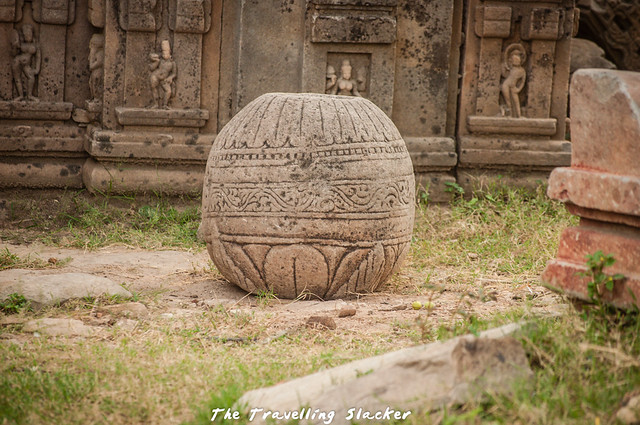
[605, 121]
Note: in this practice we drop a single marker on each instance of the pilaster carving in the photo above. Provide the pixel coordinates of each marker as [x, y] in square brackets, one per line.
[11, 10]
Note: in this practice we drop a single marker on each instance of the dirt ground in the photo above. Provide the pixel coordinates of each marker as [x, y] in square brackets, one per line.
[182, 284]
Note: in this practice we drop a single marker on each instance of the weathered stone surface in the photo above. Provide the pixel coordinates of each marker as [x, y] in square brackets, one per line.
[602, 186]
[43, 288]
[605, 112]
[421, 378]
[58, 327]
[308, 194]
[587, 54]
[142, 178]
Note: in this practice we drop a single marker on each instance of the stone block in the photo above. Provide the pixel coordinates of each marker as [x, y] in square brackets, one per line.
[40, 171]
[118, 177]
[566, 273]
[353, 29]
[602, 186]
[605, 120]
[308, 194]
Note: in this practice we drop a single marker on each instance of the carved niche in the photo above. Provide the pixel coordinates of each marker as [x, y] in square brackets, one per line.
[346, 43]
[33, 38]
[514, 89]
[165, 39]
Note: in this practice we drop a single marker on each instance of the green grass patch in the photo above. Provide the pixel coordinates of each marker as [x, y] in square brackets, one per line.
[82, 220]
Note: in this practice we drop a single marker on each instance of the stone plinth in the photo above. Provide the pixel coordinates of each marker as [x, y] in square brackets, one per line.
[603, 184]
[308, 194]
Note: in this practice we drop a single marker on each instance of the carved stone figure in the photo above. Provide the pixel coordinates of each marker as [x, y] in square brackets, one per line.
[96, 65]
[346, 85]
[515, 78]
[319, 202]
[26, 62]
[332, 78]
[163, 73]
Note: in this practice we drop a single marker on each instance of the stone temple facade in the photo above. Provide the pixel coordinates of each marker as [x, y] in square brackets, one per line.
[129, 95]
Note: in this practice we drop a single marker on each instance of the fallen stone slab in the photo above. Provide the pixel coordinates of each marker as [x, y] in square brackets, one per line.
[43, 288]
[387, 387]
[58, 327]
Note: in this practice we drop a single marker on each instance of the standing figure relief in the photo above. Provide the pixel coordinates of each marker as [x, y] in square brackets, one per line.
[26, 62]
[515, 77]
[96, 65]
[162, 78]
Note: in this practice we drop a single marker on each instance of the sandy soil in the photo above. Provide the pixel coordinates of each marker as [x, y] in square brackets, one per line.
[183, 283]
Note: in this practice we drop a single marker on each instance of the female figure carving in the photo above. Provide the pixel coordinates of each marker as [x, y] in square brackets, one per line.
[515, 78]
[163, 74]
[346, 85]
[26, 62]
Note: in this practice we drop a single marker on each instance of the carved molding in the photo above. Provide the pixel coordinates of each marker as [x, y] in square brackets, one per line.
[310, 197]
[509, 125]
[493, 21]
[54, 12]
[11, 10]
[36, 110]
[96, 13]
[190, 16]
[343, 22]
[162, 117]
[140, 15]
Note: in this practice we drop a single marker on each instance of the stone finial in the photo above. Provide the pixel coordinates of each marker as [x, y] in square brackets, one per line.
[308, 194]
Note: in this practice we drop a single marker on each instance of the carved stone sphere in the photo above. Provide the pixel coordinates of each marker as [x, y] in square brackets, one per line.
[308, 194]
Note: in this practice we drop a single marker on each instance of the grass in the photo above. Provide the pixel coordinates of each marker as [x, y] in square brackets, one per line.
[176, 370]
[80, 220]
[9, 260]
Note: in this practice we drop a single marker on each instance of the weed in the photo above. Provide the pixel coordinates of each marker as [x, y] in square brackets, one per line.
[455, 188]
[264, 298]
[15, 303]
[596, 263]
[9, 260]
